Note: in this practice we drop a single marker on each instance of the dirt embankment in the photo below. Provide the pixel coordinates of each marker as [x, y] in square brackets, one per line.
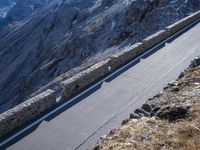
[170, 120]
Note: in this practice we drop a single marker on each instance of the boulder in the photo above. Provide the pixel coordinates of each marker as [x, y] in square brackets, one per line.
[172, 113]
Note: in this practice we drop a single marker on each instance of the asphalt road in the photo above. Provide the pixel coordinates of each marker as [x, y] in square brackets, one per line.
[81, 125]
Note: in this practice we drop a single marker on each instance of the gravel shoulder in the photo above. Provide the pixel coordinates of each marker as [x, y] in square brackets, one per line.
[169, 120]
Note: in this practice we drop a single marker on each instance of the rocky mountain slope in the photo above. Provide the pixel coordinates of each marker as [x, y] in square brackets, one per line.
[16, 10]
[170, 120]
[40, 45]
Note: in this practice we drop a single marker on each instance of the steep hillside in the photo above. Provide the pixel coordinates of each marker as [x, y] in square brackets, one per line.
[38, 47]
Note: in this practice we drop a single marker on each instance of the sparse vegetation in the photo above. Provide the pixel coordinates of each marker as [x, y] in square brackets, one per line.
[166, 130]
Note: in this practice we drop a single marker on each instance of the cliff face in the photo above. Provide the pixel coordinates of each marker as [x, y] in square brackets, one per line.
[60, 35]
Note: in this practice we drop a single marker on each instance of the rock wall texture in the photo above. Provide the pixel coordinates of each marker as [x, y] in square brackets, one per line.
[26, 111]
[126, 55]
[154, 39]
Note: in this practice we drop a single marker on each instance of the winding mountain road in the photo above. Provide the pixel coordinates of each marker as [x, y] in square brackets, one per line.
[80, 125]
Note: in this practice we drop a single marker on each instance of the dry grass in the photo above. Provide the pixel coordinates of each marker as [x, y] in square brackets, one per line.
[188, 137]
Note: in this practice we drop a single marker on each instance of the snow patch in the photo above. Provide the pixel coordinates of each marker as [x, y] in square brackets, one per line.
[32, 7]
[113, 24]
[5, 10]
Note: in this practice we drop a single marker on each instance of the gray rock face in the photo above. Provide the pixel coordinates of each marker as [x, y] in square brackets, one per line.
[64, 34]
[16, 10]
[195, 62]
[173, 113]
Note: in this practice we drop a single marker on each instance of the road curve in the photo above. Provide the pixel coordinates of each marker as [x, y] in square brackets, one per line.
[82, 124]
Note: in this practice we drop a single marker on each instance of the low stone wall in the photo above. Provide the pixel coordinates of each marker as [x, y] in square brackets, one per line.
[84, 78]
[182, 23]
[154, 39]
[26, 111]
